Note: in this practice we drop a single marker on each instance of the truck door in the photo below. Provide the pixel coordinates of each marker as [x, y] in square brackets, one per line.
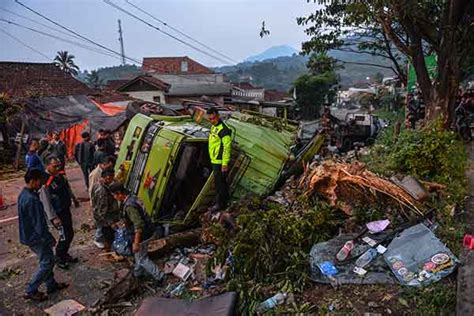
[157, 167]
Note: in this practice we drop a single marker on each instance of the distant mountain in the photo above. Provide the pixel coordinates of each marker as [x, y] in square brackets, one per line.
[280, 73]
[273, 52]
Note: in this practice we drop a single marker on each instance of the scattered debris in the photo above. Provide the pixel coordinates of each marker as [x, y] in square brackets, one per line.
[65, 308]
[272, 302]
[412, 186]
[223, 304]
[377, 226]
[182, 271]
[417, 257]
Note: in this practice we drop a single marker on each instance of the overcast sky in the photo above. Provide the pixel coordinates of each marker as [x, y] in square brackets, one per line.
[228, 26]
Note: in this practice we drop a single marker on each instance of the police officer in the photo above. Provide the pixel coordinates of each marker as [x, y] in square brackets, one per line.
[220, 146]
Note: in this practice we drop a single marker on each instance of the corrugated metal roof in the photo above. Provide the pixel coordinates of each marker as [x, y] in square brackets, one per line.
[268, 150]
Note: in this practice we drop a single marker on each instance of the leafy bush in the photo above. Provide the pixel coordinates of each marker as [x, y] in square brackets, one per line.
[271, 248]
[430, 154]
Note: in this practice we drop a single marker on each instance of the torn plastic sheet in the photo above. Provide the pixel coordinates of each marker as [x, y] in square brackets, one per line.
[377, 226]
[417, 257]
[377, 272]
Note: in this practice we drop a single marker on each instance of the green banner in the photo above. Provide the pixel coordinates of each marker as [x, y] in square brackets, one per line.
[431, 63]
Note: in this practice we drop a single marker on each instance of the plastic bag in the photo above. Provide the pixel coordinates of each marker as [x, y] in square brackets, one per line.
[122, 244]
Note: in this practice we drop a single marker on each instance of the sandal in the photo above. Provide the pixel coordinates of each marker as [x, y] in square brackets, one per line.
[36, 296]
[345, 251]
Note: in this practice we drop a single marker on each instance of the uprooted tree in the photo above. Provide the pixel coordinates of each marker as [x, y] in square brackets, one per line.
[413, 28]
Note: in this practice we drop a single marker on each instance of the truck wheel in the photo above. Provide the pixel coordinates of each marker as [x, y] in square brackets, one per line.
[346, 144]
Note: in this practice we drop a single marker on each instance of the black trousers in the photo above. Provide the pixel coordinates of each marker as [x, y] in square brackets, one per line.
[62, 247]
[86, 170]
[222, 189]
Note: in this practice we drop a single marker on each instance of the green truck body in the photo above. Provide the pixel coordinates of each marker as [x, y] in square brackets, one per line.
[167, 162]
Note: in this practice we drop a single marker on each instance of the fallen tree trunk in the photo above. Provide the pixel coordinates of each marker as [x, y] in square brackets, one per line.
[160, 247]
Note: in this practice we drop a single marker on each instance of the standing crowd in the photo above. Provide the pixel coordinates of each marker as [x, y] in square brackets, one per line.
[47, 198]
[122, 225]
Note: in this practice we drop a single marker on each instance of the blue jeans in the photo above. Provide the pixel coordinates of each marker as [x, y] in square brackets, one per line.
[144, 264]
[45, 272]
[99, 235]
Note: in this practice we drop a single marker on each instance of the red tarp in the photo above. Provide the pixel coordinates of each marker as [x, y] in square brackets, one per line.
[72, 136]
[109, 108]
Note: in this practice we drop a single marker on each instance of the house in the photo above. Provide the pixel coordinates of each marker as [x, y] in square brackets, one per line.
[189, 79]
[247, 91]
[24, 80]
[147, 88]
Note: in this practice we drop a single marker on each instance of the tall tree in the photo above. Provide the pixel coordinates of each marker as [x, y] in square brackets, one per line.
[93, 80]
[416, 28]
[350, 27]
[316, 87]
[65, 61]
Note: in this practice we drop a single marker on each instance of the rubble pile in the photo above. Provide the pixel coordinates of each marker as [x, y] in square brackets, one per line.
[343, 185]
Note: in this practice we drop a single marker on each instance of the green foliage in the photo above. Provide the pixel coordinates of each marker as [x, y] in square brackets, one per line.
[271, 248]
[65, 62]
[93, 80]
[430, 154]
[350, 27]
[316, 88]
[436, 299]
[8, 109]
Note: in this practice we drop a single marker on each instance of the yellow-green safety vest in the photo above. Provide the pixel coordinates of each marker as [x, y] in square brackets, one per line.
[220, 144]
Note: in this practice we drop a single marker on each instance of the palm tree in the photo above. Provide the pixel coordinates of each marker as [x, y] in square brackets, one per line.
[93, 80]
[65, 62]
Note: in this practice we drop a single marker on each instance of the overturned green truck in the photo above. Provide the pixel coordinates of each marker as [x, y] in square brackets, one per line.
[164, 160]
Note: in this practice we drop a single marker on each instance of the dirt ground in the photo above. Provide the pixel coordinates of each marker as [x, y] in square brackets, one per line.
[87, 278]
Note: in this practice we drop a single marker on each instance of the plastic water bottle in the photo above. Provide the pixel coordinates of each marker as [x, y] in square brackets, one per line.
[273, 301]
[366, 258]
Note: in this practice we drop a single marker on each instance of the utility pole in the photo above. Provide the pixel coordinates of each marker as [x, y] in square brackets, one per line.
[122, 50]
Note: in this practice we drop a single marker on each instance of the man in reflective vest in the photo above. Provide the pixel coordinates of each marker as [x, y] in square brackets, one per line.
[220, 146]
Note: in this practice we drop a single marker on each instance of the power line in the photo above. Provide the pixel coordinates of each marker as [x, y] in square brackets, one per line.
[161, 31]
[39, 23]
[24, 44]
[181, 32]
[75, 33]
[59, 38]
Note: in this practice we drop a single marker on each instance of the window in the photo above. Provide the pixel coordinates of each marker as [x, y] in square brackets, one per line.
[157, 99]
[184, 66]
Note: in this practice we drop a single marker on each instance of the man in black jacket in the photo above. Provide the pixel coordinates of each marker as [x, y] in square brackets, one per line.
[84, 155]
[60, 197]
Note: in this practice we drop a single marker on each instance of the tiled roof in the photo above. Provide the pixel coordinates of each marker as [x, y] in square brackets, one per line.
[115, 84]
[172, 65]
[155, 82]
[110, 97]
[274, 95]
[22, 80]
